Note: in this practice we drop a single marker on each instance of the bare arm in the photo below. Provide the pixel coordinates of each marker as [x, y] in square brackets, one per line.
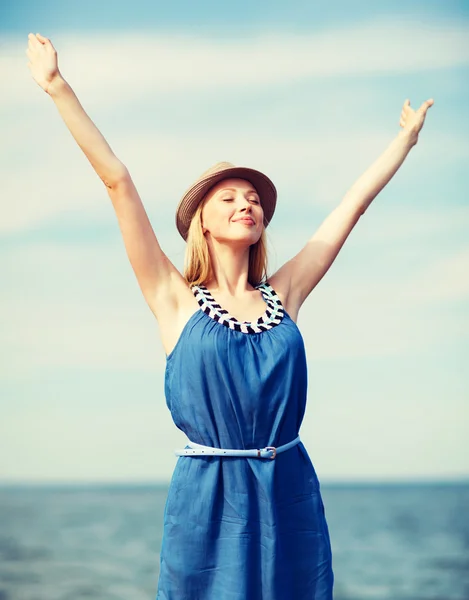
[154, 271]
[96, 149]
[302, 273]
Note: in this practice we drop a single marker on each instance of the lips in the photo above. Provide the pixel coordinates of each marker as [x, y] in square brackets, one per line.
[246, 220]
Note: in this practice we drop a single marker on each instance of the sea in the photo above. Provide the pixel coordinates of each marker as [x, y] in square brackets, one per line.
[390, 541]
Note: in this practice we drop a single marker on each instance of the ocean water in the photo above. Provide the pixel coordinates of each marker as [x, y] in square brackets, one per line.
[389, 541]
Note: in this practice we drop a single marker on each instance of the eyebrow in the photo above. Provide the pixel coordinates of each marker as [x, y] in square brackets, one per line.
[250, 191]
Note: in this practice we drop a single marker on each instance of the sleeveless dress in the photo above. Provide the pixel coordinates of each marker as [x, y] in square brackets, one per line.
[242, 528]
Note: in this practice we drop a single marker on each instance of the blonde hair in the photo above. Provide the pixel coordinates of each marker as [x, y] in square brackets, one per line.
[197, 264]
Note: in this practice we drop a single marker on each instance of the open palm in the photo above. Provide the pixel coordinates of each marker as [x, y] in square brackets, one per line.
[413, 120]
[43, 62]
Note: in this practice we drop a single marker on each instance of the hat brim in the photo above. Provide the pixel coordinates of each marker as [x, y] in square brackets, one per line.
[193, 196]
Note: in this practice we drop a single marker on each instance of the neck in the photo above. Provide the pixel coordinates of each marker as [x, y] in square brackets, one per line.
[230, 268]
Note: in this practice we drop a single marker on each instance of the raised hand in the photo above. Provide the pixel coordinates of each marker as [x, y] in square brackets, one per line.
[412, 120]
[43, 62]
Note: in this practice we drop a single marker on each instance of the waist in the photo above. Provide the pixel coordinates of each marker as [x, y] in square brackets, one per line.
[267, 452]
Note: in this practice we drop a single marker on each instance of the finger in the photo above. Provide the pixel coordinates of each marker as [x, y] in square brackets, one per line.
[43, 39]
[46, 42]
[33, 40]
[426, 105]
[406, 104]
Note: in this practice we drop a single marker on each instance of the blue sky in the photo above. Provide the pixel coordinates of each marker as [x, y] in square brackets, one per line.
[311, 94]
[202, 16]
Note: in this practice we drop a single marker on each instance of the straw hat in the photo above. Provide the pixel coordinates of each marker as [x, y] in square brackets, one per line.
[224, 170]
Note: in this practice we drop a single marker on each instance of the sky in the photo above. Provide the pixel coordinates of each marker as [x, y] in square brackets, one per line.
[309, 93]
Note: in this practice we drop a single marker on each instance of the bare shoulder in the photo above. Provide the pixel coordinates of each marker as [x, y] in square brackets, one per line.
[173, 306]
[280, 282]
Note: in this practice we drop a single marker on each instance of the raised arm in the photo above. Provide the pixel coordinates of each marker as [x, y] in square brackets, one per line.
[298, 277]
[156, 275]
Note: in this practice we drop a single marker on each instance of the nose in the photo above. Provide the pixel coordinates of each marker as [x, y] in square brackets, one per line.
[247, 206]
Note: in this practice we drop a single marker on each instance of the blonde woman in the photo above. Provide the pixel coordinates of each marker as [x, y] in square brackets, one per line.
[244, 517]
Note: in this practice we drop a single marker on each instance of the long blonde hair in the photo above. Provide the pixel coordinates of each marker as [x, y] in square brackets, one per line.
[197, 264]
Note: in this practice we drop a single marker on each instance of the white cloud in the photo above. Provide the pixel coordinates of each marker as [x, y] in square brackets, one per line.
[44, 173]
[136, 64]
[83, 308]
[445, 279]
[55, 177]
[79, 306]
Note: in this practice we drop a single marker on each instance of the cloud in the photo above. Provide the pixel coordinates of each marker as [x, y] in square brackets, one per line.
[135, 64]
[311, 110]
[132, 85]
[445, 279]
[49, 185]
[54, 179]
[83, 308]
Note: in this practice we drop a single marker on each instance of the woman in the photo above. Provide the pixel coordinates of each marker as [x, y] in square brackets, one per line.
[244, 517]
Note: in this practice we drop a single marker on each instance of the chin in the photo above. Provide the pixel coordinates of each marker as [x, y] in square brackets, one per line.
[248, 238]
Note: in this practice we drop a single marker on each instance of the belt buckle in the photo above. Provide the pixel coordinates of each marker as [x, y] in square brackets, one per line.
[274, 449]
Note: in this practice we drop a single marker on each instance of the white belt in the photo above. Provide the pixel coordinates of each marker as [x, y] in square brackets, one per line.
[267, 452]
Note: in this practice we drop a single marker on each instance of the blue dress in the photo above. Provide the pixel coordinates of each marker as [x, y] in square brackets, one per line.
[238, 528]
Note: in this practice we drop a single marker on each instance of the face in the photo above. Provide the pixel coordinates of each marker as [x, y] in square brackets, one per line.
[229, 204]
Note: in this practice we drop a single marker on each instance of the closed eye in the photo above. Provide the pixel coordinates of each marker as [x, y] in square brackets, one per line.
[231, 200]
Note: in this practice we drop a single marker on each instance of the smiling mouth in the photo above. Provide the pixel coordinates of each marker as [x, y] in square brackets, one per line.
[247, 221]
